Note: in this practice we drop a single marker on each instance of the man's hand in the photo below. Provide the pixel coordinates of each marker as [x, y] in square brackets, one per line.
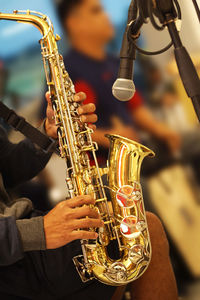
[86, 113]
[62, 222]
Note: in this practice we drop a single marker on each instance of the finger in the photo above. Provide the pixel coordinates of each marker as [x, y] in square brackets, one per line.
[89, 118]
[92, 126]
[81, 212]
[87, 108]
[87, 223]
[85, 235]
[81, 96]
[80, 201]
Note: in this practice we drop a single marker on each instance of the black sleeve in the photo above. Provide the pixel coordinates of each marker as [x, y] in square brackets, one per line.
[20, 162]
[11, 249]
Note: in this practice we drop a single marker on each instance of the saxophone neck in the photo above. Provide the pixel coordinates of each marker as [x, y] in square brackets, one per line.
[37, 19]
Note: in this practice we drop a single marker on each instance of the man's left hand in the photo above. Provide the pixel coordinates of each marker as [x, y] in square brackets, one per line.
[86, 113]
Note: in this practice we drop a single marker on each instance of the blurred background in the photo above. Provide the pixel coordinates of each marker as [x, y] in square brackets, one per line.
[160, 115]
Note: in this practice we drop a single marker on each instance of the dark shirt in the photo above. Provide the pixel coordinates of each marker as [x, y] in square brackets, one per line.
[40, 275]
[18, 163]
[96, 78]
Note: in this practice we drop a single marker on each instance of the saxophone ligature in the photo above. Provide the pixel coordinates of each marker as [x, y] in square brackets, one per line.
[122, 251]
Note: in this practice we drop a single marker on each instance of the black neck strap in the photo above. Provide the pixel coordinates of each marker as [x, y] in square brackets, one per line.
[47, 144]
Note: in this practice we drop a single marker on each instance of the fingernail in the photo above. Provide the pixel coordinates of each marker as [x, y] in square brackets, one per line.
[76, 98]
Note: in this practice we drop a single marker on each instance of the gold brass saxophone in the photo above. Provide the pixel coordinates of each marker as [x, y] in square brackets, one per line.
[122, 251]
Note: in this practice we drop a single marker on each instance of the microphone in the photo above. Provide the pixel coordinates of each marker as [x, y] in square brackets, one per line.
[124, 89]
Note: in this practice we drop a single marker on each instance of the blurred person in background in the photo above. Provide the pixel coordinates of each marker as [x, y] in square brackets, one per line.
[148, 78]
[169, 109]
[94, 71]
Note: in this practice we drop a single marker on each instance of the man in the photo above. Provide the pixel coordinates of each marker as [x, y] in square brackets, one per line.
[36, 251]
[94, 71]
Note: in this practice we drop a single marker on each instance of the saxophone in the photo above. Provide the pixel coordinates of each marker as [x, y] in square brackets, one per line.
[122, 251]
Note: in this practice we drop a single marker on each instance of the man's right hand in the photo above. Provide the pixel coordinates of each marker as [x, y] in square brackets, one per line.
[62, 222]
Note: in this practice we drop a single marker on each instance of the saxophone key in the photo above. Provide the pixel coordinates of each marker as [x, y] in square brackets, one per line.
[61, 132]
[84, 158]
[89, 190]
[87, 148]
[101, 200]
[87, 177]
[103, 237]
[70, 184]
[81, 140]
[65, 74]
[76, 126]
[73, 110]
[129, 228]
[72, 87]
[108, 222]
[70, 95]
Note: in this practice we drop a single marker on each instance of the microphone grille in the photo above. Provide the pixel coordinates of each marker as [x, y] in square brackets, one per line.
[123, 89]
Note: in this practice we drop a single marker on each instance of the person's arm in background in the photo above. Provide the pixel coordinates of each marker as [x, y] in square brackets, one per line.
[144, 119]
[117, 127]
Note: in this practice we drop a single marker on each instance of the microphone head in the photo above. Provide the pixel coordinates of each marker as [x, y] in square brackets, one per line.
[123, 89]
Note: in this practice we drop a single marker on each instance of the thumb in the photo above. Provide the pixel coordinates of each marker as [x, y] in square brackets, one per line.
[48, 98]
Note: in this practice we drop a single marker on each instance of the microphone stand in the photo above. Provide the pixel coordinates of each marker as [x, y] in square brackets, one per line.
[166, 13]
[196, 8]
[187, 71]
